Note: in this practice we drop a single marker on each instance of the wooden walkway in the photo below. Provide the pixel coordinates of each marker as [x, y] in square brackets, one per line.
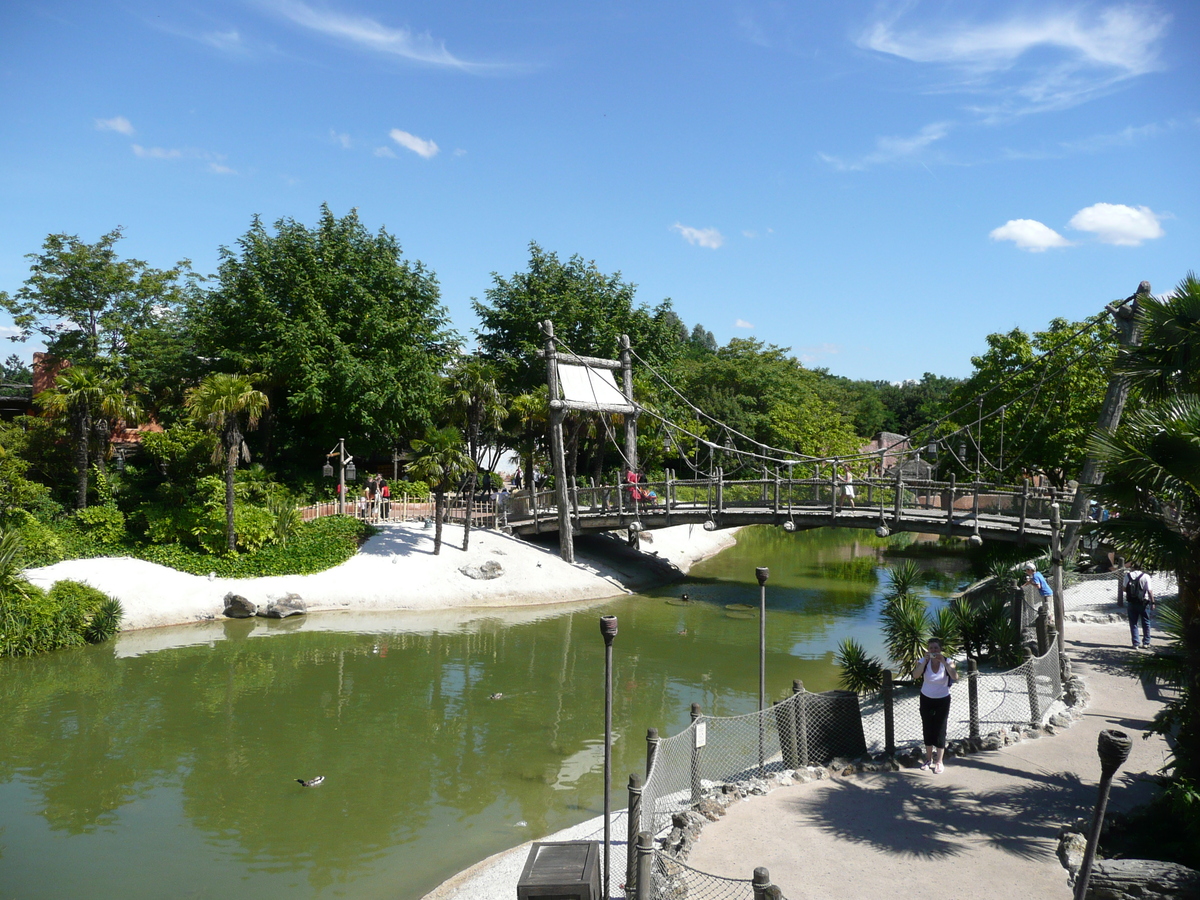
[991, 512]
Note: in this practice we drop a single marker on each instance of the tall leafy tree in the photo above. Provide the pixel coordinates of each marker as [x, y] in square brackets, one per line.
[82, 395]
[350, 337]
[1041, 394]
[228, 405]
[440, 461]
[480, 408]
[86, 302]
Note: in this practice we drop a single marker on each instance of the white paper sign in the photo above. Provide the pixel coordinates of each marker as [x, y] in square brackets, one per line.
[701, 734]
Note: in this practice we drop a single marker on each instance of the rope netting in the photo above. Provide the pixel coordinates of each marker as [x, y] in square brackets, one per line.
[1101, 594]
[674, 881]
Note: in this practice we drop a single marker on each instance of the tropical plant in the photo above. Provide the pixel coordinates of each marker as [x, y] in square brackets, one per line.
[906, 629]
[220, 402]
[441, 462]
[479, 405]
[82, 395]
[286, 517]
[861, 672]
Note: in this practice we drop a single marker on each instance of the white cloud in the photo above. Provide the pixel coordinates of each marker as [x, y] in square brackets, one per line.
[1049, 60]
[218, 169]
[373, 35]
[1116, 223]
[892, 149]
[421, 147]
[224, 40]
[119, 124]
[700, 237]
[155, 152]
[742, 323]
[385, 151]
[341, 139]
[1029, 234]
[810, 355]
[460, 152]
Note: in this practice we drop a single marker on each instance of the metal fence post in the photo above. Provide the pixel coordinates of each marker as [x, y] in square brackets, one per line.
[695, 780]
[651, 748]
[973, 695]
[633, 825]
[645, 867]
[889, 715]
[1035, 706]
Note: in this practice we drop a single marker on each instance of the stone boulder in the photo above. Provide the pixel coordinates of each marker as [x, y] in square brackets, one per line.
[486, 571]
[290, 605]
[1142, 879]
[238, 607]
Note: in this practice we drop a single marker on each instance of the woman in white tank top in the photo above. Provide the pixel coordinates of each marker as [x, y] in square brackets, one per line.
[936, 674]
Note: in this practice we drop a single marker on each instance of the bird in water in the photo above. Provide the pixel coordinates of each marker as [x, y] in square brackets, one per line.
[682, 631]
[311, 782]
[496, 696]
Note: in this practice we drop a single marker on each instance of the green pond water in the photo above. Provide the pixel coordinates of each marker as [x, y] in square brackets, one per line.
[131, 773]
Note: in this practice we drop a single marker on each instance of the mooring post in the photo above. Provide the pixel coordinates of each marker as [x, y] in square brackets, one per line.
[761, 884]
[1039, 626]
[1113, 748]
[645, 866]
[633, 825]
[698, 741]
[651, 749]
[889, 715]
[973, 696]
[1035, 702]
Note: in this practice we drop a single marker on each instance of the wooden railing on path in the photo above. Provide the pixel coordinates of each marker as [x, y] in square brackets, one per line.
[484, 513]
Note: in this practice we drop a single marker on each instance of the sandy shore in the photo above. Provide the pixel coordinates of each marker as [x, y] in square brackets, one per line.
[397, 570]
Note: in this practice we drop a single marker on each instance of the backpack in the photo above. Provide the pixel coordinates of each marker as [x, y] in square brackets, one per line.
[1135, 590]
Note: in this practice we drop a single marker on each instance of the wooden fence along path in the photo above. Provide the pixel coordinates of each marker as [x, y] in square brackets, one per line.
[406, 509]
[1013, 513]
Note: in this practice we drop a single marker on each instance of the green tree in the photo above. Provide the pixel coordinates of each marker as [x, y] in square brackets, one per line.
[590, 311]
[479, 407]
[350, 337]
[82, 396]
[221, 403]
[1041, 394]
[441, 463]
[86, 302]
[528, 418]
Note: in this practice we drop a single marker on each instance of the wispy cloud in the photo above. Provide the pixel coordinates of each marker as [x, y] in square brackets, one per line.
[218, 169]
[741, 323]
[370, 34]
[119, 124]
[342, 140]
[385, 151]
[229, 40]
[1034, 62]
[892, 149]
[1116, 223]
[1029, 234]
[155, 152]
[700, 237]
[420, 146]
[810, 355]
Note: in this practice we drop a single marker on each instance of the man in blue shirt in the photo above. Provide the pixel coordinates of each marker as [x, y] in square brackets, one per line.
[1036, 578]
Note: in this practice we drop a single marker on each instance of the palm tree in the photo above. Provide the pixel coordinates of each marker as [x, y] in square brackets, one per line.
[477, 400]
[441, 462]
[219, 403]
[532, 413]
[82, 395]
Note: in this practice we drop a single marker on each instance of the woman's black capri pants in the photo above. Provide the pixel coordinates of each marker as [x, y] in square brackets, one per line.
[934, 713]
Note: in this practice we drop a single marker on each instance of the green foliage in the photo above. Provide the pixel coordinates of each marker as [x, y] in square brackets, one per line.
[105, 524]
[70, 614]
[285, 516]
[861, 672]
[40, 543]
[945, 628]
[181, 452]
[906, 629]
[349, 336]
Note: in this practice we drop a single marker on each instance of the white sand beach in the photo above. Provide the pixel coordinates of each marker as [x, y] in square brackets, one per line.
[397, 570]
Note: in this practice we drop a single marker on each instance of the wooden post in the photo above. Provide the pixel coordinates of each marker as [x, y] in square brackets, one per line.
[667, 496]
[575, 500]
[631, 453]
[762, 887]
[620, 498]
[1040, 629]
[695, 779]
[787, 729]
[973, 696]
[777, 492]
[950, 505]
[833, 487]
[651, 749]
[889, 715]
[801, 721]
[720, 490]
[899, 498]
[1035, 705]
[1024, 510]
[566, 539]
[645, 866]
[633, 825]
[1056, 570]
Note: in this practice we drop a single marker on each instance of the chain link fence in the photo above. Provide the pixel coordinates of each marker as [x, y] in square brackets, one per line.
[674, 881]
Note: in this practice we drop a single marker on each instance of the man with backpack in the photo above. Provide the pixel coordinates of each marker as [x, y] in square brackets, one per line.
[1139, 600]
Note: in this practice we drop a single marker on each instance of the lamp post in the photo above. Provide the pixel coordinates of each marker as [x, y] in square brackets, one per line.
[608, 630]
[1113, 748]
[346, 471]
[762, 573]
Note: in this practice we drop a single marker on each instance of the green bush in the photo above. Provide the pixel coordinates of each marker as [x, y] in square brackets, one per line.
[41, 545]
[105, 524]
[84, 610]
[169, 524]
[861, 672]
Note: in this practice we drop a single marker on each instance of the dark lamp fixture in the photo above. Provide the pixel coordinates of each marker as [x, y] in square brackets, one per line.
[931, 448]
[608, 627]
[762, 573]
[327, 470]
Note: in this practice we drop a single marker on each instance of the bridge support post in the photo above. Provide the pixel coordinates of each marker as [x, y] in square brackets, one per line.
[566, 539]
[899, 504]
[950, 496]
[631, 454]
[1056, 570]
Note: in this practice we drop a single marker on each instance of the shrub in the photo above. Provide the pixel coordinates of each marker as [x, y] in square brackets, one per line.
[105, 524]
[906, 629]
[286, 516]
[40, 543]
[169, 524]
[861, 672]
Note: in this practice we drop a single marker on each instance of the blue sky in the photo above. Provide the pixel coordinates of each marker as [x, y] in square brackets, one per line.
[875, 185]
